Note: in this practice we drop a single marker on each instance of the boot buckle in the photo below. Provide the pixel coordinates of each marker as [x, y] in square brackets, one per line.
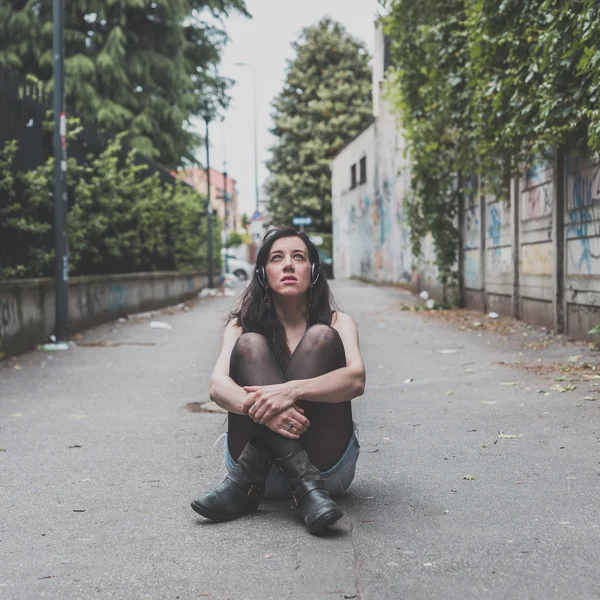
[250, 490]
[295, 500]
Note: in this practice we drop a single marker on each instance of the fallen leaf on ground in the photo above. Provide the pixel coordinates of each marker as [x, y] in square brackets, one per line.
[508, 436]
[561, 389]
[469, 477]
[489, 401]
[510, 383]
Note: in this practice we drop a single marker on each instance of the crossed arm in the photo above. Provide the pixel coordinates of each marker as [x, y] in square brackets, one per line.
[275, 404]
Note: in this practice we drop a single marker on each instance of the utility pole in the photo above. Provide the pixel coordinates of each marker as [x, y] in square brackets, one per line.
[255, 142]
[251, 66]
[226, 202]
[209, 209]
[61, 247]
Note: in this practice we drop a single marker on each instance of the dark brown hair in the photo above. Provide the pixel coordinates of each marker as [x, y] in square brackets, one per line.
[255, 312]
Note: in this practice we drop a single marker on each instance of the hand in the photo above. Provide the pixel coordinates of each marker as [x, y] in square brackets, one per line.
[289, 423]
[265, 401]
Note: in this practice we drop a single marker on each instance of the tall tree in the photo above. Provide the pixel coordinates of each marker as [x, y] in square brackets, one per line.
[135, 65]
[325, 102]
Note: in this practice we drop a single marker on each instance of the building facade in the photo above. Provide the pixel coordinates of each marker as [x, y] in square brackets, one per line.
[223, 194]
[370, 180]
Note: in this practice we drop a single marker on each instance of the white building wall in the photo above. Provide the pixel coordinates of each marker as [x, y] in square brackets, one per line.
[371, 235]
[352, 239]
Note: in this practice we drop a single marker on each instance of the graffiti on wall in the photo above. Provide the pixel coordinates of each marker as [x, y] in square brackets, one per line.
[471, 226]
[114, 298]
[537, 194]
[583, 216]
[9, 317]
[537, 202]
[471, 274]
[499, 237]
[494, 227]
[536, 259]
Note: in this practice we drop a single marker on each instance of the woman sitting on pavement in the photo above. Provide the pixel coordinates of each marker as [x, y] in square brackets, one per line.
[289, 366]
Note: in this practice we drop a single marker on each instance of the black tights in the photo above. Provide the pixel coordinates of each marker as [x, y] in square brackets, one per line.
[320, 351]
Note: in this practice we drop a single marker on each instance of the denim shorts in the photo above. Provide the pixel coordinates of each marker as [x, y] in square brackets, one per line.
[337, 479]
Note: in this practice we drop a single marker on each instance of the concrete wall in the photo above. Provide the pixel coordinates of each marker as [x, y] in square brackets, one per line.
[582, 251]
[534, 254]
[353, 240]
[371, 237]
[27, 306]
[540, 257]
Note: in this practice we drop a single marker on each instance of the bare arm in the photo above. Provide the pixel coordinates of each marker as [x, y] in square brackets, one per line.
[223, 390]
[340, 385]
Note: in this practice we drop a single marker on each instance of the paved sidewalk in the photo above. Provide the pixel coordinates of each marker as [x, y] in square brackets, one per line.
[100, 459]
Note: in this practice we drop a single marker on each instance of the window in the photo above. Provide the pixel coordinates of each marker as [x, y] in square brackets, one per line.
[363, 169]
[352, 177]
[387, 54]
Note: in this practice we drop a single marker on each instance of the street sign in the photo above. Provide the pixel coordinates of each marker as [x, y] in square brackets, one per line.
[302, 220]
[257, 215]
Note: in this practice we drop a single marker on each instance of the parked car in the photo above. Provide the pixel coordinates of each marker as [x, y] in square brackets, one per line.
[326, 262]
[242, 269]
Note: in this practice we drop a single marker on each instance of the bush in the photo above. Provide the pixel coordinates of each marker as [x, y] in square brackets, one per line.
[122, 218]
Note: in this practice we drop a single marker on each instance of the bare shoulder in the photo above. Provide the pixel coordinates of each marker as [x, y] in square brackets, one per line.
[232, 331]
[341, 320]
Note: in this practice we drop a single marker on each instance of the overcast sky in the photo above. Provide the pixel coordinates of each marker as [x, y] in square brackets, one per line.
[265, 42]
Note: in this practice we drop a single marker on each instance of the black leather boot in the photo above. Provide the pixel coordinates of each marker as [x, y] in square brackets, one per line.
[242, 490]
[317, 508]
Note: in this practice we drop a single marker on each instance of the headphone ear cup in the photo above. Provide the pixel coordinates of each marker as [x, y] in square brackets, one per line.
[314, 273]
[260, 275]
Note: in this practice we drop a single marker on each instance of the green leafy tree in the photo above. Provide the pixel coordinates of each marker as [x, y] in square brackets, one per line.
[144, 67]
[483, 87]
[429, 88]
[325, 102]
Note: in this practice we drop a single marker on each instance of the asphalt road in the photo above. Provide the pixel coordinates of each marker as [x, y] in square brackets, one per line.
[100, 458]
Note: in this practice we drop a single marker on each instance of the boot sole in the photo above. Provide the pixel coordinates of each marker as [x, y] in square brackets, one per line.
[209, 515]
[220, 518]
[325, 521]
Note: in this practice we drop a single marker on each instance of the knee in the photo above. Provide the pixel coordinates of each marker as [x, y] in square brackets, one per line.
[323, 337]
[251, 345]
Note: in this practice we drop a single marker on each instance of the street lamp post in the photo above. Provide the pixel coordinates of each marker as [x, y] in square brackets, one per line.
[242, 64]
[226, 203]
[61, 268]
[209, 206]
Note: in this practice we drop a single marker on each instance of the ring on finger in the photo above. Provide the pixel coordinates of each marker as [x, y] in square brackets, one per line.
[253, 407]
[290, 426]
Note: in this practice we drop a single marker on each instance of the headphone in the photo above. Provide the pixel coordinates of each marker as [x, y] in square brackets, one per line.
[315, 271]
